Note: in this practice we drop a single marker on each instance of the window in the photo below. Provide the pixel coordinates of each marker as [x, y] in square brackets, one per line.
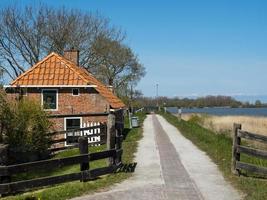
[49, 99]
[75, 92]
[70, 124]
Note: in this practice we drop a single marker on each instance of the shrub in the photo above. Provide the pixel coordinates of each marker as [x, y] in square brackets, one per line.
[25, 125]
[196, 119]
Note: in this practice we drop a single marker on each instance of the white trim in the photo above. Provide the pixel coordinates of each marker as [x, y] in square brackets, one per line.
[113, 110]
[42, 99]
[78, 92]
[65, 127]
[50, 86]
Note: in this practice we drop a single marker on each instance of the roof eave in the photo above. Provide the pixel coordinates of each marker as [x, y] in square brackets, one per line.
[50, 86]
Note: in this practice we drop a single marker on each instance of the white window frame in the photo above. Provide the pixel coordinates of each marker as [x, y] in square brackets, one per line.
[42, 99]
[78, 92]
[65, 127]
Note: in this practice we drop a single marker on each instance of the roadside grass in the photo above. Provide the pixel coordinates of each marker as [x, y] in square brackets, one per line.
[219, 148]
[76, 188]
[63, 170]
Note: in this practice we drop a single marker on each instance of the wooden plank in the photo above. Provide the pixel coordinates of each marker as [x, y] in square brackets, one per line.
[78, 115]
[119, 140]
[77, 130]
[75, 146]
[251, 168]
[39, 182]
[102, 171]
[64, 148]
[88, 136]
[4, 171]
[54, 163]
[83, 148]
[235, 154]
[252, 152]
[111, 134]
[252, 136]
[44, 164]
[102, 155]
[58, 141]
[119, 125]
[119, 152]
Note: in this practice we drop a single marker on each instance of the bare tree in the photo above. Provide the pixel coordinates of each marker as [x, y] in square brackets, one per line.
[27, 35]
[21, 37]
[114, 63]
[1, 77]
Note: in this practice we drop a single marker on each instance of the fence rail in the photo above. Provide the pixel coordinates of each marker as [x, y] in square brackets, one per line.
[237, 149]
[113, 154]
[86, 175]
[101, 126]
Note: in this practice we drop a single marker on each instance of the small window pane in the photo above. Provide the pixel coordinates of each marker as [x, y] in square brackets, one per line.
[75, 92]
[72, 137]
[72, 124]
[50, 99]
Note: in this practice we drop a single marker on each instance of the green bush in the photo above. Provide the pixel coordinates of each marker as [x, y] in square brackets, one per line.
[196, 119]
[24, 125]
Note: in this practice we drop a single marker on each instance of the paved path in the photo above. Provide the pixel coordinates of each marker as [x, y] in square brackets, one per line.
[169, 168]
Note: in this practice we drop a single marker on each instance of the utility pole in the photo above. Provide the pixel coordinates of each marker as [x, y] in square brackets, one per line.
[157, 95]
[131, 98]
[131, 108]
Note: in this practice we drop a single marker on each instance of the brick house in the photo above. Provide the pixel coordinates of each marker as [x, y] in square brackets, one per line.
[64, 88]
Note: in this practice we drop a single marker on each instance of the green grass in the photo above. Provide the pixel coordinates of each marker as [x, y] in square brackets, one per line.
[219, 148]
[63, 170]
[76, 188]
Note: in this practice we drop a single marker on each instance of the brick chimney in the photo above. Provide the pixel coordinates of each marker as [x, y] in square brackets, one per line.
[72, 55]
[110, 88]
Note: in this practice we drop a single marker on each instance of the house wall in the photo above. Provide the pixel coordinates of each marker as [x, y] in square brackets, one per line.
[88, 101]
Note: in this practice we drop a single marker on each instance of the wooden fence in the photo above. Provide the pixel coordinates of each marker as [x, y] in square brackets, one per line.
[237, 149]
[113, 153]
[97, 135]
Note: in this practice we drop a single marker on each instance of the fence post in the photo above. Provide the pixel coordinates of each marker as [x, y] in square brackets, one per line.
[4, 162]
[111, 136]
[235, 154]
[118, 145]
[83, 147]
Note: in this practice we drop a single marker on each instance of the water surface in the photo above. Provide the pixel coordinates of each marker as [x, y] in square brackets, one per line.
[223, 111]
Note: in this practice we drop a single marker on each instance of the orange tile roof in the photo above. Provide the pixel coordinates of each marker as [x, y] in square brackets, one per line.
[56, 70]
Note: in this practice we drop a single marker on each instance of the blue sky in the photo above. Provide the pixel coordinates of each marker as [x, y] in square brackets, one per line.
[190, 47]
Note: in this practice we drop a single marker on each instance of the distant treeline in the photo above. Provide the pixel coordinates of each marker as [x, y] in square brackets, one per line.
[201, 102]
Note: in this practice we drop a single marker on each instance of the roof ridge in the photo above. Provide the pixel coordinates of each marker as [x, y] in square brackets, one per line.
[71, 65]
[33, 67]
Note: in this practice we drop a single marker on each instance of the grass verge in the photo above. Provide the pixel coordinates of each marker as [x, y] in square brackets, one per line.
[219, 148]
[76, 188]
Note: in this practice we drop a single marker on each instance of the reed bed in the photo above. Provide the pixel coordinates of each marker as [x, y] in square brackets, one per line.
[223, 124]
